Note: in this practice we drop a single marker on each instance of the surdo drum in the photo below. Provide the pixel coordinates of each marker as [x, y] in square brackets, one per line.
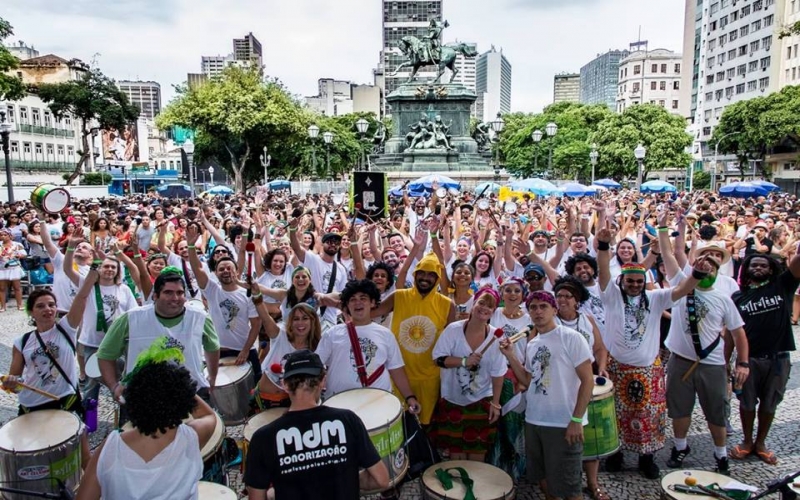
[49, 198]
[488, 481]
[231, 396]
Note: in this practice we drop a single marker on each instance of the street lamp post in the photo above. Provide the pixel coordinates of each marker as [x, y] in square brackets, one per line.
[551, 129]
[188, 148]
[265, 161]
[211, 175]
[639, 153]
[5, 132]
[362, 125]
[593, 159]
[313, 133]
[328, 138]
[498, 125]
[537, 137]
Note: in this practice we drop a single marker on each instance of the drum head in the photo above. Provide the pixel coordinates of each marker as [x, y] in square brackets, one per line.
[39, 430]
[92, 366]
[55, 201]
[258, 421]
[214, 491]
[601, 390]
[375, 407]
[228, 375]
[483, 204]
[679, 477]
[491, 483]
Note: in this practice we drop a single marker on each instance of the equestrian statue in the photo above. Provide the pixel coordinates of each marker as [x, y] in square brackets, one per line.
[430, 52]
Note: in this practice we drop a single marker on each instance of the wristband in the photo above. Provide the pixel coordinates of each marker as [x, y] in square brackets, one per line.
[70, 249]
[137, 255]
[257, 295]
[603, 246]
[577, 420]
[434, 235]
[97, 261]
[117, 252]
[292, 229]
[191, 247]
[743, 364]
[698, 275]
[663, 229]
[495, 406]
[464, 361]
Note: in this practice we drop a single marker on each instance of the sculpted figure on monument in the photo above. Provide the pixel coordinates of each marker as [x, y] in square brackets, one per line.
[430, 52]
[481, 136]
[379, 140]
[441, 132]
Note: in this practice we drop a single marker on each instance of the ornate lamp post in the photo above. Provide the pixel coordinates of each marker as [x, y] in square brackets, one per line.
[498, 125]
[313, 133]
[362, 125]
[211, 175]
[537, 137]
[265, 161]
[5, 132]
[593, 159]
[188, 148]
[552, 130]
[328, 138]
[639, 153]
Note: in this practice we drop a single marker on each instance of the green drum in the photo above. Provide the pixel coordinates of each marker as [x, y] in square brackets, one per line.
[382, 414]
[601, 436]
[50, 198]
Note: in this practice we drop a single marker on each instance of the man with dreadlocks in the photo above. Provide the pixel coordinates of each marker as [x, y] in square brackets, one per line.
[633, 323]
[765, 303]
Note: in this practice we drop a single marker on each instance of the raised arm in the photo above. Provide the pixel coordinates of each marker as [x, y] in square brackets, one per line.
[129, 265]
[69, 258]
[603, 239]
[294, 241]
[197, 267]
[667, 255]
[75, 314]
[162, 238]
[52, 248]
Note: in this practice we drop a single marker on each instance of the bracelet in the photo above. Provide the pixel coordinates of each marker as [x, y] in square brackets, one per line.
[434, 235]
[663, 229]
[603, 246]
[191, 247]
[257, 295]
[698, 275]
[97, 261]
[560, 240]
[495, 406]
[743, 364]
[292, 229]
[577, 420]
[655, 253]
[409, 397]
[70, 249]
[464, 361]
[137, 255]
[117, 252]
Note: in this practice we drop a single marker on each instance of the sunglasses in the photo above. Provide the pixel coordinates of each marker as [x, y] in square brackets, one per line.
[534, 277]
[220, 251]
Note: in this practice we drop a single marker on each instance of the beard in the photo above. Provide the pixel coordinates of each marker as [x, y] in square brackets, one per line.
[331, 252]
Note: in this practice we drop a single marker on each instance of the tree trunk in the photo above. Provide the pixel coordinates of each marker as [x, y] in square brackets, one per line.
[84, 156]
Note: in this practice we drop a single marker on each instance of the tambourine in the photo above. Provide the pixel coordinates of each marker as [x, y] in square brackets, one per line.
[441, 192]
[483, 204]
[510, 208]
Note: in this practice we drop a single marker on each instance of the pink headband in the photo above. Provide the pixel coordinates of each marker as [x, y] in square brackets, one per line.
[490, 291]
[541, 296]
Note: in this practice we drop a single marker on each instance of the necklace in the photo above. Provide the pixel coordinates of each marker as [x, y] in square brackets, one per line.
[513, 315]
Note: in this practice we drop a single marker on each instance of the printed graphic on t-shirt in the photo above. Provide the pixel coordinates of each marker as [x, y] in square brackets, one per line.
[509, 330]
[701, 309]
[110, 307]
[279, 284]
[417, 334]
[324, 444]
[173, 342]
[44, 368]
[467, 380]
[369, 350]
[230, 309]
[596, 307]
[762, 305]
[540, 373]
[635, 324]
[326, 280]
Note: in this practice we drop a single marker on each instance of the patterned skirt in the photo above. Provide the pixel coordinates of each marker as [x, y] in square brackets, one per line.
[463, 429]
[508, 452]
[641, 402]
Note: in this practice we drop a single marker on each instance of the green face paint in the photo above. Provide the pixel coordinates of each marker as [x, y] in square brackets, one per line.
[707, 282]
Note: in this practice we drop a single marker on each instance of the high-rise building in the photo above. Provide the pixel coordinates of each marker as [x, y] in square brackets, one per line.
[493, 85]
[567, 87]
[212, 66]
[650, 77]
[146, 95]
[599, 79]
[340, 97]
[248, 49]
[403, 18]
[247, 52]
[733, 51]
[466, 75]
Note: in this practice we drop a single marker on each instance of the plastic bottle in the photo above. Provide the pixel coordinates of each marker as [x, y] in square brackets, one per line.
[90, 410]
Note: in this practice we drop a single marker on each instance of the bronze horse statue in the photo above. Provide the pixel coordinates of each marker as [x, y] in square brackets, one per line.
[420, 54]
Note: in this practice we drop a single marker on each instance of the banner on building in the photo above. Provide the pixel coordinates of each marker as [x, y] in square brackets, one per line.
[121, 145]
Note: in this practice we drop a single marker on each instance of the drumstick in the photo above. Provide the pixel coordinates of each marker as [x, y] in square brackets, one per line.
[497, 334]
[31, 388]
[520, 335]
[227, 363]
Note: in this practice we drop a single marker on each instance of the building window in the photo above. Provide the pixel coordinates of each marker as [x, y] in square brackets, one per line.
[676, 85]
[751, 86]
[26, 148]
[788, 53]
[23, 115]
[714, 8]
[712, 44]
[70, 151]
[15, 147]
[720, 58]
[662, 103]
[67, 121]
[765, 63]
[730, 73]
[35, 117]
[635, 86]
[163, 165]
[637, 69]
[729, 92]
[710, 62]
[768, 20]
[742, 50]
[758, 5]
[723, 21]
[707, 115]
[652, 85]
[732, 54]
[662, 85]
[654, 68]
[720, 76]
[735, 16]
[733, 35]
[10, 114]
[752, 66]
[677, 67]
[38, 149]
[48, 122]
[171, 165]
[741, 69]
[706, 131]
[710, 79]
[766, 42]
[718, 94]
[717, 113]
[60, 150]
[744, 30]
[674, 104]
[763, 83]
[663, 68]
[754, 46]
[740, 89]
[746, 10]
[713, 26]
[756, 25]
[709, 96]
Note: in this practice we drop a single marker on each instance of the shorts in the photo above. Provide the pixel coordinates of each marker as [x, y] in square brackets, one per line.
[708, 382]
[766, 384]
[551, 458]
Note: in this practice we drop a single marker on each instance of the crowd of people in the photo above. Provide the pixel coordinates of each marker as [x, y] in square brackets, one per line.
[456, 304]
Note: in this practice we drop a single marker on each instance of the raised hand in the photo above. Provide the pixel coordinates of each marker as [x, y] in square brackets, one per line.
[604, 235]
[192, 235]
[663, 218]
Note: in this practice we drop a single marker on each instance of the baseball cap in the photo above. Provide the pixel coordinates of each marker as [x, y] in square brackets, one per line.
[331, 236]
[302, 362]
[534, 268]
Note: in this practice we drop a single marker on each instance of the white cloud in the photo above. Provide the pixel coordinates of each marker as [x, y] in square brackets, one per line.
[304, 40]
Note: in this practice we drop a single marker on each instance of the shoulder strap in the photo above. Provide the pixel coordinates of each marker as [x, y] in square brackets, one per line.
[27, 337]
[358, 357]
[695, 331]
[55, 361]
[331, 284]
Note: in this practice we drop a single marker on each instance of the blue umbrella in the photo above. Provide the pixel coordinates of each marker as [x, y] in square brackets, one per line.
[397, 191]
[219, 191]
[539, 187]
[766, 185]
[425, 183]
[175, 191]
[657, 187]
[743, 190]
[608, 183]
[279, 184]
[493, 187]
[575, 189]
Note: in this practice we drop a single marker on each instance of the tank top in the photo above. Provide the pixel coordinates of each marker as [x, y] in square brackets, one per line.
[417, 323]
[124, 475]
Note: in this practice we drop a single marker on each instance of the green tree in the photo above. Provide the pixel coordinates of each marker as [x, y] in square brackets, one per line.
[11, 87]
[661, 133]
[93, 99]
[235, 116]
[701, 180]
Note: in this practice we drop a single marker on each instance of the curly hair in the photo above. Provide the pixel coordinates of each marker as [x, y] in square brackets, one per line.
[577, 258]
[159, 396]
[382, 265]
[271, 255]
[360, 286]
[574, 286]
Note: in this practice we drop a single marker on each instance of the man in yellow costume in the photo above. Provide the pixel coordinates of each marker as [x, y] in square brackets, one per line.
[420, 315]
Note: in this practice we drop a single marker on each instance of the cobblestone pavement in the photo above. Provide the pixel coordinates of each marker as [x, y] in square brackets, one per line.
[628, 484]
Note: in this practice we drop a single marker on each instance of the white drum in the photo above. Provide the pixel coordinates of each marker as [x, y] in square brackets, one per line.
[42, 445]
[490, 482]
[255, 423]
[214, 491]
[231, 395]
[92, 366]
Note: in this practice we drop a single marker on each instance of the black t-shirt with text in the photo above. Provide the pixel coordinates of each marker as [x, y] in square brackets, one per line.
[311, 454]
[750, 248]
[766, 311]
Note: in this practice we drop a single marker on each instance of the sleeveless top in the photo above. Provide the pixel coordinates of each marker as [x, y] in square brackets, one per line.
[173, 474]
[417, 323]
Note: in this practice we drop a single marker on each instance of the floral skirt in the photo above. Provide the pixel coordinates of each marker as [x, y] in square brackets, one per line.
[641, 403]
[463, 429]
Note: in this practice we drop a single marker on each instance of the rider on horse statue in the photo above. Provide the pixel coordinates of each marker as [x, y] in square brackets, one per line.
[434, 38]
[429, 51]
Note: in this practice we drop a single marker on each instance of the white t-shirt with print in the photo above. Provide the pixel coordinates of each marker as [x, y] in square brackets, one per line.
[63, 288]
[40, 372]
[231, 313]
[595, 307]
[279, 347]
[321, 272]
[278, 282]
[634, 338]
[116, 299]
[511, 327]
[460, 385]
[378, 346]
[551, 358]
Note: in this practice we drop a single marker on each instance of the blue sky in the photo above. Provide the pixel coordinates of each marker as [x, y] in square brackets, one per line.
[304, 40]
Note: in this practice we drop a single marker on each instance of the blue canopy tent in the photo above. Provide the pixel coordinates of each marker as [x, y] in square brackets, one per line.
[743, 190]
[766, 185]
[397, 192]
[175, 191]
[574, 189]
[491, 187]
[279, 184]
[657, 187]
[607, 183]
[539, 187]
[219, 191]
[425, 183]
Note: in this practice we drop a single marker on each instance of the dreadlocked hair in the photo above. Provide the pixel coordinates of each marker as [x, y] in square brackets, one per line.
[774, 265]
[643, 295]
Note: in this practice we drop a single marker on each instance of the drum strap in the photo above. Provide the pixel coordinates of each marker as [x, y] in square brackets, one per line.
[54, 360]
[102, 324]
[331, 284]
[446, 478]
[691, 306]
[189, 287]
[358, 357]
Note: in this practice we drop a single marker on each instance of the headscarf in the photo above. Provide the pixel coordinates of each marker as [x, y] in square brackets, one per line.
[633, 268]
[541, 296]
